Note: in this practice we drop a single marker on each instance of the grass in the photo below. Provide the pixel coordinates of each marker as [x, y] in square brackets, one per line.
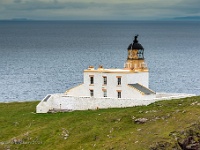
[22, 128]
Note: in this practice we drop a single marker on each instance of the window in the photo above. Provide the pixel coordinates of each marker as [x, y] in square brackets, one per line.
[91, 93]
[104, 93]
[140, 54]
[91, 79]
[105, 80]
[119, 81]
[119, 94]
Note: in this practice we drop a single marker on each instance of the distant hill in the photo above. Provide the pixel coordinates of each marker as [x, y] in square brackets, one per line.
[20, 19]
[188, 18]
[17, 19]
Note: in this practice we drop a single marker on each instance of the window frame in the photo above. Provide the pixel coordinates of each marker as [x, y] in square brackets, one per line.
[91, 79]
[91, 93]
[119, 80]
[119, 94]
[105, 81]
[105, 93]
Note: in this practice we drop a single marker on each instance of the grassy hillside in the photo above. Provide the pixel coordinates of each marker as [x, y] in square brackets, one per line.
[169, 122]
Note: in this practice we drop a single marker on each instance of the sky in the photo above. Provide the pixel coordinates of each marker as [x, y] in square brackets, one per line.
[98, 9]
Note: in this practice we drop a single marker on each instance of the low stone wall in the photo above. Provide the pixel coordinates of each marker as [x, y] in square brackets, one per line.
[64, 102]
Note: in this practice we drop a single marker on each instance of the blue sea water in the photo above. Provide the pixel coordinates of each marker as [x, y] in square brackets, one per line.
[42, 57]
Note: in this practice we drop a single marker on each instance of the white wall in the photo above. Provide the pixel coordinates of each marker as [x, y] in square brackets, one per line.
[79, 90]
[98, 86]
[61, 101]
[112, 87]
[140, 77]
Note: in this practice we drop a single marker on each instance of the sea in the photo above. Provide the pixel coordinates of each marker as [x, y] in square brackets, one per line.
[44, 57]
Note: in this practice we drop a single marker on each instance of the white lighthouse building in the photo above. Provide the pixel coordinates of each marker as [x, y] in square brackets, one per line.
[109, 88]
[130, 82]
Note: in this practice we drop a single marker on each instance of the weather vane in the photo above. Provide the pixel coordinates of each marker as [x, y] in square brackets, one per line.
[135, 38]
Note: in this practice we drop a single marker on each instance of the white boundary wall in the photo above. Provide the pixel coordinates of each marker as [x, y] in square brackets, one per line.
[64, 102]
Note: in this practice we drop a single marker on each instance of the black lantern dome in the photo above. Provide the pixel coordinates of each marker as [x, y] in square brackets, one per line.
[135, 44]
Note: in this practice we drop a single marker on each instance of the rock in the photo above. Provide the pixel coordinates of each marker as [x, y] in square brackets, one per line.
[133, 117]
[151, 111]
[194, 146]
[189, 144]
[66, 136]
[184, 111]
[65, 133]
[195, 103]
[119, 119]
[111, 130]
[141, 120]
[162, 145]
[16, 123]
[185, 139]
[17, 141]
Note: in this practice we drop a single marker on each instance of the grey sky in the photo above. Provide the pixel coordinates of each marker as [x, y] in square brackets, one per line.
[98, 9]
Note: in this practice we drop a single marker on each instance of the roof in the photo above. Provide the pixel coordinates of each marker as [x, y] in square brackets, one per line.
[135, 44]
[142, 89]
[46, 98]
[102, 70]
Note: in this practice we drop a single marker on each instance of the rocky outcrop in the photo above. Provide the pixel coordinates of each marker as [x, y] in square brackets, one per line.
[141, 120]
[187, 139]
[189, 143]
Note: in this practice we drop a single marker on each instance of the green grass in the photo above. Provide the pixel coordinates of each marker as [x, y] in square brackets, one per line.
[96, 129]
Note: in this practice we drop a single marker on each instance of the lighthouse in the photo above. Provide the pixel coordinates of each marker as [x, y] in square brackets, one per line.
[130, 82]
[109, 88]
[103, 88]
[135, 58]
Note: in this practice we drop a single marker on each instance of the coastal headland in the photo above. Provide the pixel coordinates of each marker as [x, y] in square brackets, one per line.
[167, 124]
